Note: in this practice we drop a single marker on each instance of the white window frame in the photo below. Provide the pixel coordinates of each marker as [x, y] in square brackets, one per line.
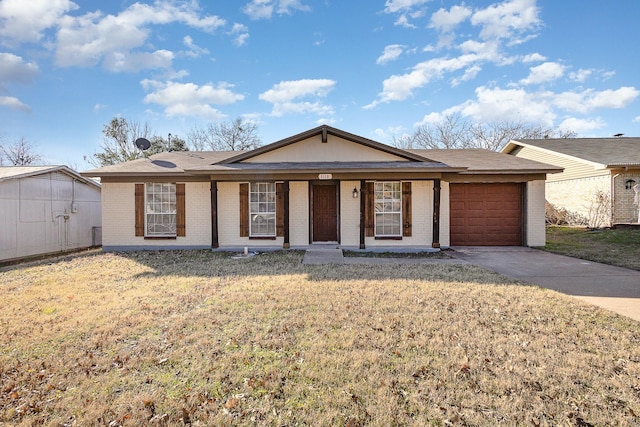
[386, 205]
[160, 203]
[262, 209]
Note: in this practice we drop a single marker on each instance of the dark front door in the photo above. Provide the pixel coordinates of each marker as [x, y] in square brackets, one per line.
[325, 213]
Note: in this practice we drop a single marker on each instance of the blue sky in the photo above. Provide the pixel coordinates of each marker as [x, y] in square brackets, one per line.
[371, 67]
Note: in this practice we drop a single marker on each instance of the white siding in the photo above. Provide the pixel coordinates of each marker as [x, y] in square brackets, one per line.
[49, 213]
[334, 150]
[536, 234]
[573, 169]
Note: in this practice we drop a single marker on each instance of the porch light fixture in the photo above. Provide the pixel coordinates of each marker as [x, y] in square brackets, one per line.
[355, 193]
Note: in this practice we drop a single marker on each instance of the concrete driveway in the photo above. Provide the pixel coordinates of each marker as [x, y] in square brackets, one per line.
[614, 288]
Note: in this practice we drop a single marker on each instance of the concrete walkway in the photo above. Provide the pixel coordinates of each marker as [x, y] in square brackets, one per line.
[614, 288]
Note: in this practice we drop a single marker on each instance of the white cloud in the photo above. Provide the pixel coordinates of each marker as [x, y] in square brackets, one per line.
[288, 96]
[533, 57]
[189, 99]
[507, 19]
[391, 53]
[393, 6]
[446, 21]
[93, 37]
[13, 103]
[636, 120]
[469, 74]
[403, 21]
[431, 119]
[580, 75]
[581, 126]
[401, 87]
[14, 69]
[508, 104]
[194, 51]
[589, 99]
[264, 9]
[241, 34]
[25, 21]
[544, 73]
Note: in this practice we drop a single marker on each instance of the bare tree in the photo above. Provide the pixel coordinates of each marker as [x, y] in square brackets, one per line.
[20, 153]
[453, 131]
[236, 135]
[118, 144]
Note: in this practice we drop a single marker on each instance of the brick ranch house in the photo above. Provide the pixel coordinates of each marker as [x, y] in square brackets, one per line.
[324, 185]
[600, 184]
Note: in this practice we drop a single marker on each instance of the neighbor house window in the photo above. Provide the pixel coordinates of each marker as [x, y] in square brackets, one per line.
[388, 209]
[262, 209]
[160, 209]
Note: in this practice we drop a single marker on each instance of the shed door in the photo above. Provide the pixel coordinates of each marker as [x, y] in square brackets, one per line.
[486, 214]
[324, 211]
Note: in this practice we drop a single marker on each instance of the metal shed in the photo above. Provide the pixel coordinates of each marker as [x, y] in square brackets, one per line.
[47, 209]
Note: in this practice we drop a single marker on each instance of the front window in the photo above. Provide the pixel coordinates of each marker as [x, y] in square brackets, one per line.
[262, 209]
[160, 209]
[388, 209]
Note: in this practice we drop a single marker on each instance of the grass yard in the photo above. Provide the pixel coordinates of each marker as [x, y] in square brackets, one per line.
[619, 247]
[173, 338]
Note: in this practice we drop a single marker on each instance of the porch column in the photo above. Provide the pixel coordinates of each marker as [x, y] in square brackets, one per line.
[285, 188]
[436, 214]
[214, 214]
[363, 189]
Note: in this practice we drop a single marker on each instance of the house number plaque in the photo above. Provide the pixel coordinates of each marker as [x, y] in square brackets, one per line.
[324, 176]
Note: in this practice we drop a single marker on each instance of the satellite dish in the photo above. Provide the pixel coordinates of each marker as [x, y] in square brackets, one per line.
[143, 143]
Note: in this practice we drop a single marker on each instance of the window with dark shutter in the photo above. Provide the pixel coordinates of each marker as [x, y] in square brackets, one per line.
[279, 209]
[139, 209]
[181, 220]
[244, 210]
[406, 209]
[369, 210]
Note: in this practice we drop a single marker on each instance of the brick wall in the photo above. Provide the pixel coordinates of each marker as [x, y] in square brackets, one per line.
[118, 220]
[625, 209]
[578, 196]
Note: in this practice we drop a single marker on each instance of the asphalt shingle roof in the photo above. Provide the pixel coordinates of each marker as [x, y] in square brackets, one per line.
[609, 152]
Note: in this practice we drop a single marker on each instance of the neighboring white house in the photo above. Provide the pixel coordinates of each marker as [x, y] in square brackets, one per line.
[47, 209]
[323, 186]
[600, 184]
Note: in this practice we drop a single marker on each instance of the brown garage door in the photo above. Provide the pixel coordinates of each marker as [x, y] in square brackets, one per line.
[486, 214]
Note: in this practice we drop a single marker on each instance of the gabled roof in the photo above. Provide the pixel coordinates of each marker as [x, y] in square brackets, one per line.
[18, 172]
[325, 130]
[602, 153]
[395, 160]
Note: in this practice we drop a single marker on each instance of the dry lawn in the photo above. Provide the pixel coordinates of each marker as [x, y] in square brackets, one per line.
[174, 338]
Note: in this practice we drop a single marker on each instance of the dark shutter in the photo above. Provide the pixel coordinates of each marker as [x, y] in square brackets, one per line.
[139, 207]
[181, 220]
[244, 210]
[406, 209]
[279, 209]
[369, 209]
